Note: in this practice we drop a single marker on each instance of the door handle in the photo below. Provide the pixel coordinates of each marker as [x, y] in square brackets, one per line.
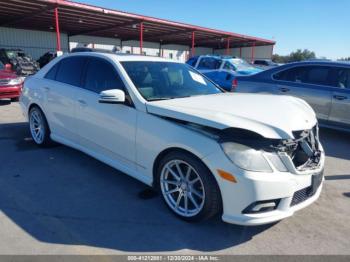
[82, 102]
[340, 97]
[284, 89]
[47, 88]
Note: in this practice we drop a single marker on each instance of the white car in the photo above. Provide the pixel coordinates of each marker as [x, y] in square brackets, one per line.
[254, 158]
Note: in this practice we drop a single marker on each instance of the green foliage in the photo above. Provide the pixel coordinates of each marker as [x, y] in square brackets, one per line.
[299, 55]
[344, 59]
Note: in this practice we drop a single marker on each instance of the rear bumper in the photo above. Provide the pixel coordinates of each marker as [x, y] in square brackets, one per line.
[10, 91]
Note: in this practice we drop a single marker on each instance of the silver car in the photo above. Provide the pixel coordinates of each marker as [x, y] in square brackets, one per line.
[324, 85]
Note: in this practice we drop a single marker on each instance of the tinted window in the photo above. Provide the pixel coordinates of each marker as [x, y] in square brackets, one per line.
[70, 70]
[318, 75]
[342, 78]
[260, 62]
[52, 72]
[1, 66]
[192, 61]
[209, 63]
[100, 76]
[229, 66]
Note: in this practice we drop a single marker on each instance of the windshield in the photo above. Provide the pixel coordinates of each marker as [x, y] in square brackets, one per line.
[240, 63]
[11, 54]
[167, 80]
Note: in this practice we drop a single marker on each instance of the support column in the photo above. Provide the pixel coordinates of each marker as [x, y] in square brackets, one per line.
[272, 51]
[253, 52]
[193, 51]
[228, 46]
[160, 49]
[141, 37]
[240, 52]
[58, 36]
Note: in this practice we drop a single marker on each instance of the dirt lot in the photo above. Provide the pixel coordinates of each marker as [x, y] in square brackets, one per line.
[61, 201]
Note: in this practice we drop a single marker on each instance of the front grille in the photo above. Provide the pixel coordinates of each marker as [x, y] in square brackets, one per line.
[301, 195]
[4, 82]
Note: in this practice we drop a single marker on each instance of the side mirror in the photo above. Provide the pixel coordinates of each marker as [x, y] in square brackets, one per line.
[112, 96]
[8, 67]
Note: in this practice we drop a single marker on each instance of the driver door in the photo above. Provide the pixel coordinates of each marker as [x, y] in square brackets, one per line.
[106, 129]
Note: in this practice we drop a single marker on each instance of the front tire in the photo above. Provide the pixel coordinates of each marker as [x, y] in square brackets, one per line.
[39, 128]
[188, 187]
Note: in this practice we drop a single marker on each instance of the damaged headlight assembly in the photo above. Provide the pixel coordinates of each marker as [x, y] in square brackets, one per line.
[250, 159]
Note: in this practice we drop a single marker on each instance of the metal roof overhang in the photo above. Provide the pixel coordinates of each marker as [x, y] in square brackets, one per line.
[81, 19]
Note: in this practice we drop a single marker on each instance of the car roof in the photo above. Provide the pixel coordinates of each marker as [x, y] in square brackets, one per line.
[121, 57]
[321, 62]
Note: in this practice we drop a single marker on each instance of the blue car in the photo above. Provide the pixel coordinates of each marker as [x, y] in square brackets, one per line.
[222, 69]
[324, 85]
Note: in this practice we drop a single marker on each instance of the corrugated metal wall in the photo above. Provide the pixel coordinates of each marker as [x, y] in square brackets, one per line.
[94, 41]
[35, 43]
[260, 52]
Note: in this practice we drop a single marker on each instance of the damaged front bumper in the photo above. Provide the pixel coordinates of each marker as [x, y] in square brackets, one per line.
[265, 197]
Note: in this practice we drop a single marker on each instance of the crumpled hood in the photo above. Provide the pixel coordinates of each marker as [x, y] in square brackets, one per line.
[271, 116]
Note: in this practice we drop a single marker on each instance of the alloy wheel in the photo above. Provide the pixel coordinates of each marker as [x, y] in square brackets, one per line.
[182, 188]
[37, 127]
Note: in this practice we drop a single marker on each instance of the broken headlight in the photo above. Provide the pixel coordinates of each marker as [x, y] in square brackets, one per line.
[246, 157]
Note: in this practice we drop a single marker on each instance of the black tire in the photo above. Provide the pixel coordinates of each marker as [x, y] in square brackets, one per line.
[46, 141]
[15, 99]
[212, 202]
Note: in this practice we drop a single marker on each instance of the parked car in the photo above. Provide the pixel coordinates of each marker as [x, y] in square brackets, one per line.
[222, 70]
[163, 123]
[46, 58]
[10, 84]
[21, 63]
[264, 63]
[324, 85]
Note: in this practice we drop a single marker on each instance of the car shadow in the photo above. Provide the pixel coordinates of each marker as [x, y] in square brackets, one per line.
[337, 177]
[336, 143]
[62, 196]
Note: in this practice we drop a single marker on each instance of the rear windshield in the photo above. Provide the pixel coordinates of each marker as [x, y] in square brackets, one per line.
[167, 80]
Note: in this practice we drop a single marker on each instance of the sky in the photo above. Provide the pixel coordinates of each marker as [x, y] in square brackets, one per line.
[322, 26]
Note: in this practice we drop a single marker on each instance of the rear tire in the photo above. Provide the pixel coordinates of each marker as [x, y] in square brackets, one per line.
[39, 129]
[188, 187]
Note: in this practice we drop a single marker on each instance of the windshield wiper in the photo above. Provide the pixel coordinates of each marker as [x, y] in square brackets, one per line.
[165, 98]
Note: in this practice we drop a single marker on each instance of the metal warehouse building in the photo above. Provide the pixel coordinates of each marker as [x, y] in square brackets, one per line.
[38, 26]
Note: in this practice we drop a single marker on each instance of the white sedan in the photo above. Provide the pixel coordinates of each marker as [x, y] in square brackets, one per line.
[255, 159]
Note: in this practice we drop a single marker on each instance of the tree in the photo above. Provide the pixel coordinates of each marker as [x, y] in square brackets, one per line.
[301, 55]
[298, 55]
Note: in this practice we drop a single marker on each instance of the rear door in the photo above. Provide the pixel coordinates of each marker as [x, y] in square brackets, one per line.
[60, 87]
[311, 83]
[340, 112]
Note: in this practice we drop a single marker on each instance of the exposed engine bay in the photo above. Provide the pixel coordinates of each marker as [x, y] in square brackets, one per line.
[303, 149]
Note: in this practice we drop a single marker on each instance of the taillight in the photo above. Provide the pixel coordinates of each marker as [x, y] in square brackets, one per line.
[234, 84]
